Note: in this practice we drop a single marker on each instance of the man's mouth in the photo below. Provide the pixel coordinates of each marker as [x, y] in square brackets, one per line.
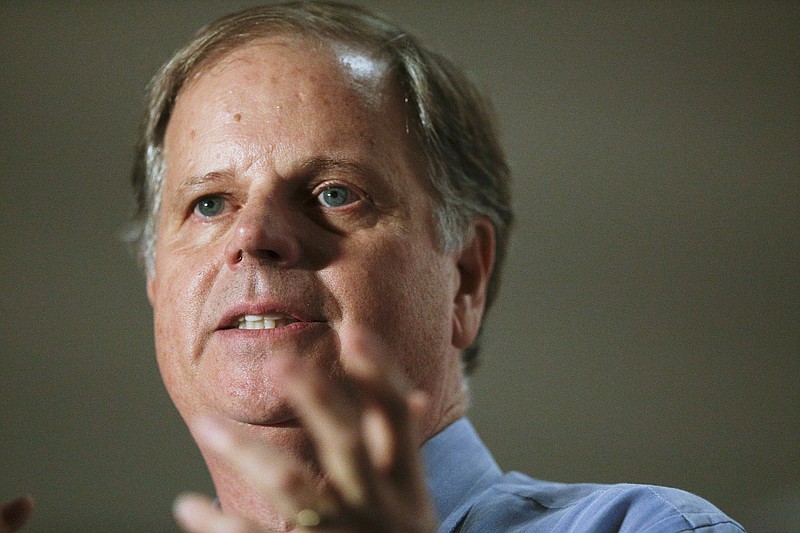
[268, 321]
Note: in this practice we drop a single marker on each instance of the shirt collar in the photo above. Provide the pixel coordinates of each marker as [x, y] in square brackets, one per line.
[459, 468]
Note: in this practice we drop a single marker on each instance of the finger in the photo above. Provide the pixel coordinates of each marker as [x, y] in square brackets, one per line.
[285, 483]
[388, 445]
[393, 410]
[15, 514]
[358, 440]
[379, 440]
[332, 417]
[195, 513]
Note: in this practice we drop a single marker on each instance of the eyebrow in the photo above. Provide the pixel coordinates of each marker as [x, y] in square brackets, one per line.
[312, 166]
[211, 177]
[318, 165]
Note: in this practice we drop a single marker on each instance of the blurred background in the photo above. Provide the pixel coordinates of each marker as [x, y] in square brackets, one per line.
[648, 329]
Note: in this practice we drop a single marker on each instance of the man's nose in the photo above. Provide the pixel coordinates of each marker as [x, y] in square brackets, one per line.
[264, 233]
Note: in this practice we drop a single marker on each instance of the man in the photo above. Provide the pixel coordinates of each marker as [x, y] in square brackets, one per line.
[324, 209]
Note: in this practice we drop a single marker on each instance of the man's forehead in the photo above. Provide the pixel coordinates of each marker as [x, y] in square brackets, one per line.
[290, 75]
[254, 97]
[365, 69]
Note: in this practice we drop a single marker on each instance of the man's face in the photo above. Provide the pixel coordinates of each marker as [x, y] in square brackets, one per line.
[294, 211]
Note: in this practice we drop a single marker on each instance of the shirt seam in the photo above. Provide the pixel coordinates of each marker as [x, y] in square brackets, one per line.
[564, 506]
[715, 524]
[684, 515]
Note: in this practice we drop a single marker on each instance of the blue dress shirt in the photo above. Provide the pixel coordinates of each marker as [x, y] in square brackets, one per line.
[471, 494]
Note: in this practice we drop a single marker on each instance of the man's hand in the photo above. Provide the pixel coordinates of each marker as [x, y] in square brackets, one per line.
[367, 446]
[15, 514]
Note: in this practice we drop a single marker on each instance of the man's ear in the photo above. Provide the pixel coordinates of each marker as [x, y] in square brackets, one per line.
[475, 264]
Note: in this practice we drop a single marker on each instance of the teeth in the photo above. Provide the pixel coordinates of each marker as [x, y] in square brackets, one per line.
[264, 321]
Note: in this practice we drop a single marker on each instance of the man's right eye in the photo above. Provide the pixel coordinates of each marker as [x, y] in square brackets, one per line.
[209, 206]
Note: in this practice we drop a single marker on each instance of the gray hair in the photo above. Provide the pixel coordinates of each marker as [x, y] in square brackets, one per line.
[452, 122]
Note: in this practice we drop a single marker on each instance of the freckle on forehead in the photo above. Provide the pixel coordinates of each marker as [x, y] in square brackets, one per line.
[237, 117]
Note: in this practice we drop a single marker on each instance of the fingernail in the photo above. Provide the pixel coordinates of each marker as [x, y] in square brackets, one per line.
[183, 509]
[179, 507]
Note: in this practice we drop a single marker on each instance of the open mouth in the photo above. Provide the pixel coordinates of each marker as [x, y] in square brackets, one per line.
[268, 321]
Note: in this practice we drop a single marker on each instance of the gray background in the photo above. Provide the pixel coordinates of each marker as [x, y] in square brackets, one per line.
[648, 327]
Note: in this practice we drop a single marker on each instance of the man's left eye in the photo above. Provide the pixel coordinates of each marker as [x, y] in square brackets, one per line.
[209, 206]
[336, 196]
